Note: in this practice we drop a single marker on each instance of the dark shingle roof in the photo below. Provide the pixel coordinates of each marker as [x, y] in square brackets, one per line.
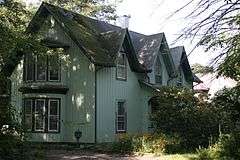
[180, 59]
[101, 41]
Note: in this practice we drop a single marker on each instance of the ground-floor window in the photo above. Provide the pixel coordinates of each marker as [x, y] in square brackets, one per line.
[121, 117]
[42, 114]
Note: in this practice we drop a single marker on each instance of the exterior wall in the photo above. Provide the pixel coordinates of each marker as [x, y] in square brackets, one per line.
[109, 90]
[78, 105]
[165, 76]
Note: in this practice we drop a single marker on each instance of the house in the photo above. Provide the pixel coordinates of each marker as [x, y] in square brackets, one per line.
[101, 85]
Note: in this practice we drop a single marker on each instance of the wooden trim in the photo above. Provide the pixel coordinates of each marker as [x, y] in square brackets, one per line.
[58, 89]
[45, 130]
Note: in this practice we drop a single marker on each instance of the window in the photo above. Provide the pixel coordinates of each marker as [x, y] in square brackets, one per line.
[158, 72]
[42, 68]
[121, 70]
[42, 115]
[121, 117]
[179, 80]
[28, 114]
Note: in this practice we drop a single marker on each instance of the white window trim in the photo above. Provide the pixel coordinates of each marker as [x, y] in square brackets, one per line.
[53, 115]
[158, 62]
[28, 114]
[26, 68]
[59, 72]
[36, 73]
[124, 67]
[44, 111]
[125, 118]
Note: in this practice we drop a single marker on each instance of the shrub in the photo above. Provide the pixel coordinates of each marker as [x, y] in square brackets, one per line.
[226, 148]
[145, 143]
[178, 111]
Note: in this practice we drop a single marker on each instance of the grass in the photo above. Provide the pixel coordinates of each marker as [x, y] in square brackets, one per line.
[178, 157]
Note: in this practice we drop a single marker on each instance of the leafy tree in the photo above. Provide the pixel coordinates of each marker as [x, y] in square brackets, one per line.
[178, 111]
[217, 27]
[198, 68]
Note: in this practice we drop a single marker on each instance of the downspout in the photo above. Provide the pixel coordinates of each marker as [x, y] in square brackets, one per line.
[95, 134]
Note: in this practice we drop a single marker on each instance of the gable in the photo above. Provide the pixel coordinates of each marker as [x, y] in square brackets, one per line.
[99, 41]
[181, 61]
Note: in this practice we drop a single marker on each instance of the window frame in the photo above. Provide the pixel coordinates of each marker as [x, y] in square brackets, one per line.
[59, 70]
[124, 117]
[124, 67]
[58, 115]
[47, 70]
[158, 62]
[46, 117]
[31, 114]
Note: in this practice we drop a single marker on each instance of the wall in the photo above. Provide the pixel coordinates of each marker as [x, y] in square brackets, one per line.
[78, 105]
[108, 91]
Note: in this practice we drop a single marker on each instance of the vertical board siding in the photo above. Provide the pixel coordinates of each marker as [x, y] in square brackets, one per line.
[109, 90]
[78, 105]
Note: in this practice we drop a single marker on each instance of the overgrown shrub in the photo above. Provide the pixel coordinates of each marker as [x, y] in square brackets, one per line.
[145, 143]
[178, 111]
[226, 148]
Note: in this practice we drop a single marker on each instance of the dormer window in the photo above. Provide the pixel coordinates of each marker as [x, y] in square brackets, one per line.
[158, 72]
[121, 69]
[42, 68]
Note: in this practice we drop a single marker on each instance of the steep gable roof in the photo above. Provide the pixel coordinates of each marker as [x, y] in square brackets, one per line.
[98, 40]
[180, 60]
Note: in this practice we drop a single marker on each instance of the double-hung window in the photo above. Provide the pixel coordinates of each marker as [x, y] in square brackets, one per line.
[42, 114]
[42, 68]
[158, 72]
[121, 117]
[121, 70]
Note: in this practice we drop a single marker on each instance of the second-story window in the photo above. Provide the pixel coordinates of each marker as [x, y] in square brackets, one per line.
[158, 72]
[121, 70]
[42, 68]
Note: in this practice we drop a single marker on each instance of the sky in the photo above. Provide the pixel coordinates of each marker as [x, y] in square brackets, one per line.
[151, 17]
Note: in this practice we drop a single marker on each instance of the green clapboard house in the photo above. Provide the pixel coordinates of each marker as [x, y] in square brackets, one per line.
[103, 83]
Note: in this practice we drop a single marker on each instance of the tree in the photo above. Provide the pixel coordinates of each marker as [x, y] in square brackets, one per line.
[217, 26]
[198, 68]
[14, 43]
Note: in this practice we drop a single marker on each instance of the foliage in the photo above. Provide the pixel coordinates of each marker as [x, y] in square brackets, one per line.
[215, 25]
[178, 111]
[228, 101]
[96, 8]
[198, 68]
[145, 143]
[227, 147]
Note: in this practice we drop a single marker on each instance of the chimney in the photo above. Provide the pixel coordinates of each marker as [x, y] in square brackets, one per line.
[123, 21]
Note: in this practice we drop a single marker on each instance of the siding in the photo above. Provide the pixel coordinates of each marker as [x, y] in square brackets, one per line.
[78, 105]
[108, 91]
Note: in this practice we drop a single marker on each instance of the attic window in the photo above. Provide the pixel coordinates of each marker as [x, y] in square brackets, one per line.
[158, 72]
[121, 69]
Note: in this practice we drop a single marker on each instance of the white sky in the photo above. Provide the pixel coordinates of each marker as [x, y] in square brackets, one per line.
[150, 17]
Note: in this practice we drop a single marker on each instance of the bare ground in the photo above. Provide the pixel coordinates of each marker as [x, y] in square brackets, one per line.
[86, 155]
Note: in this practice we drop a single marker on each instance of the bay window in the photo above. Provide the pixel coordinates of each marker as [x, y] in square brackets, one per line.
[42, 115]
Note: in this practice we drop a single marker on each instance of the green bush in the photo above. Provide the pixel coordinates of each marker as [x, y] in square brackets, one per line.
[226, 148]
[178, 111]
[145, 143]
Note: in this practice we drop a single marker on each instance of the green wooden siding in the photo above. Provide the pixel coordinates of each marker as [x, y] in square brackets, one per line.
[78, 105]
[109, 90]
